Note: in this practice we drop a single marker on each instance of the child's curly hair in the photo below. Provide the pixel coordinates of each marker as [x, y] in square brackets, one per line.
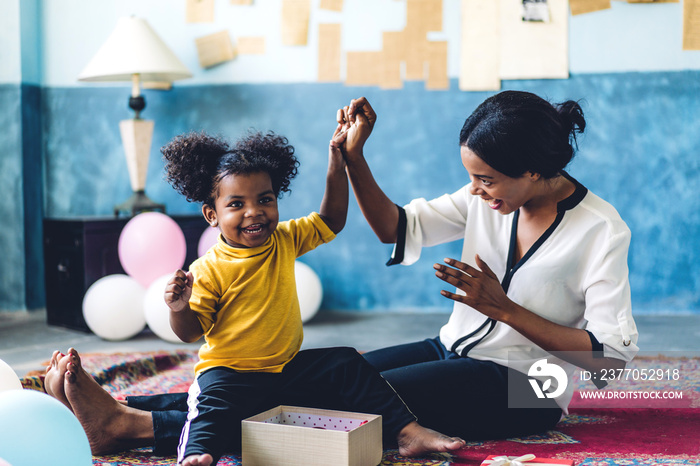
[195, 163]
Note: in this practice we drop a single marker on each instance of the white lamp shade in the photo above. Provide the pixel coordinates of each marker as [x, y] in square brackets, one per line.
[134, 48]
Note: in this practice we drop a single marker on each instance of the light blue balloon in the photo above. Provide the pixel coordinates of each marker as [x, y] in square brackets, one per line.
[38, 429]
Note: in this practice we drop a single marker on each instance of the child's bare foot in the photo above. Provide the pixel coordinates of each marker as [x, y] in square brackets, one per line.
[54, 378]
[198, 460]
[110, 425]
[416, 440]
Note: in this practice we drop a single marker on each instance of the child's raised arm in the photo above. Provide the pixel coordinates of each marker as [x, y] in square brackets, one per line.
[183, 320]
[334, 206]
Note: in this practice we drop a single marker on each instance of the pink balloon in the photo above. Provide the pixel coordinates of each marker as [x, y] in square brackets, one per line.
[151, 245]
[208, 239]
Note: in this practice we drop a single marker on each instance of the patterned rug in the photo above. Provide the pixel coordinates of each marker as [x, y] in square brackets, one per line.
[591, 435]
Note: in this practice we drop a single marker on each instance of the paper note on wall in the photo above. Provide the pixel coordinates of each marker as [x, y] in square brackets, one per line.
[333, 5]
[295, 21]
[691, 24]
[329, 36]
[534, 50]
[214, 49]
[579, 7]
[437, 66]
[199, 11]
[363, 68]
[422, 16]
[393, 50]
[480, 46]
[241, 2]
[251, 45]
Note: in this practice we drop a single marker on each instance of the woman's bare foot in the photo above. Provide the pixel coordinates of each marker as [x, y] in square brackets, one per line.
[198, 460]
[55, 376]
[416, 440]
[110, 425]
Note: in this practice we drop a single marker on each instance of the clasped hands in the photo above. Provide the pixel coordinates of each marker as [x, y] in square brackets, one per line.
[482, 290]
[355, 124]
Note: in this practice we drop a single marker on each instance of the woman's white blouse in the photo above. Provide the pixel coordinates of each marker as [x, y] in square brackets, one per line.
[577, 277]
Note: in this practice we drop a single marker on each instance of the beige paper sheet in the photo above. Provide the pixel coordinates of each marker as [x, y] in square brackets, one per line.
[579, 7]
[363, 68]
[422, 16]
[329, 54]
[437, 66]
[691, 24]
[214, 49]
[251, 45]
[199, 11]
[295, 21]
[532, 50]
[333, 5]
[393, 50]
[480, 46]
[241, 2]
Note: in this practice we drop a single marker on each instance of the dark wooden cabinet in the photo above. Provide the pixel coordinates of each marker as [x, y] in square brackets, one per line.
[78, 252]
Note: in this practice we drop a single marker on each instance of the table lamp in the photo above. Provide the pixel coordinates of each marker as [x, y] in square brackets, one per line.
[135, 53]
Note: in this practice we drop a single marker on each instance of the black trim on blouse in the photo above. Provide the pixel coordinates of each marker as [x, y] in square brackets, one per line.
[598, 350]
[400, 248]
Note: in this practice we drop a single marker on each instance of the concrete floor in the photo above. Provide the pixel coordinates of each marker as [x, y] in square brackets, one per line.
[26, 340]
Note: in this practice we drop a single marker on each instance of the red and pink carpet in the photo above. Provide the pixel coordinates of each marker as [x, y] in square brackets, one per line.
[595, 433]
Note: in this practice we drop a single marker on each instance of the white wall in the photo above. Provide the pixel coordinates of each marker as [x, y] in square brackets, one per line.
[10, 71]
[627, 37]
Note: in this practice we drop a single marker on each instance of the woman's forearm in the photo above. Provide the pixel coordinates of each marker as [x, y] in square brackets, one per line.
[571, 344]
[379, 211]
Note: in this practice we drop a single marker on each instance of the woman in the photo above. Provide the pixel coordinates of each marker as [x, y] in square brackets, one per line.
[543, 269]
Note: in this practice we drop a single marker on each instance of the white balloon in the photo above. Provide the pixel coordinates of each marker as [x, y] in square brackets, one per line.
[113, 307]
[157, 312]
[8, 378]
[309, 290]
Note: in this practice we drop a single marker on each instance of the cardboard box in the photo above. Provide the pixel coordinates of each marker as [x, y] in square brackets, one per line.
[291, 436]
[531, 461]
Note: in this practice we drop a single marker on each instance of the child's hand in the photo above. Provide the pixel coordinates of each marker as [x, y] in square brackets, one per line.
[179, 290]
[360, 118]
[336, 159]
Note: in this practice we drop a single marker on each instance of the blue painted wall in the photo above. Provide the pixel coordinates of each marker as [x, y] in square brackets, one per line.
[640, 152]
[12, 269]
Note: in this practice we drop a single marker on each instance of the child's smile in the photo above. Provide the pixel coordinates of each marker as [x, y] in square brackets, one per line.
[245, 209]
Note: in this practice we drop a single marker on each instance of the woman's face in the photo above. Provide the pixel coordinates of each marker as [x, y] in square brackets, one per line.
[245, 209]
[502, 193]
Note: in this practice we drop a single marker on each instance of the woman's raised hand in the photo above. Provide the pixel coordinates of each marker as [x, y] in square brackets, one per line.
[359, 118]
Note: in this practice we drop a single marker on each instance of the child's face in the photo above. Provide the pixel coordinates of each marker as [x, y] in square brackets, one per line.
[245, 209]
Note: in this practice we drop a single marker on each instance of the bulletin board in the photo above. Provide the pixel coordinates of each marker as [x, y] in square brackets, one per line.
[499, 40]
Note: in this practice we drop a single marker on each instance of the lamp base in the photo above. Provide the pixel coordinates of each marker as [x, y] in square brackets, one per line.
[138, 203]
